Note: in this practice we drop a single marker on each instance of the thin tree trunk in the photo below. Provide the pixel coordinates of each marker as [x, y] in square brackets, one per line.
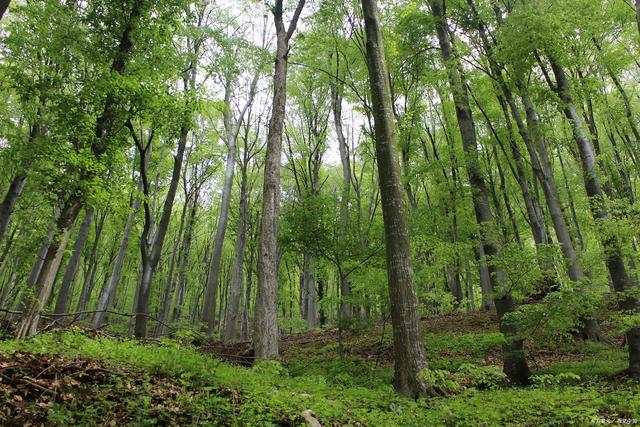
[515, 364]
[485, 278]
[614, 259]
[310, 289]
[64, 295]
[167, 296]
[336, 92]
[211, 293]
[183, 261]
[237, 282]
[265, 332]
[152, 250]
[89, 280]
[109, 292]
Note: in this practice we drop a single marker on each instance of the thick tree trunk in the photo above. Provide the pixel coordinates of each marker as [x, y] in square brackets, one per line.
[515, 364]
[31, 315]
[265, 334]
[64, 295]
[4, 4]
[614, 261]
[409, 359]
[38, 262]
[11, 198]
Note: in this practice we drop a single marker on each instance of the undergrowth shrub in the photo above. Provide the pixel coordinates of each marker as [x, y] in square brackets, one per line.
[467, 376]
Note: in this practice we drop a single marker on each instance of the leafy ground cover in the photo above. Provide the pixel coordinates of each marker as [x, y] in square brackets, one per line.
[71, 377]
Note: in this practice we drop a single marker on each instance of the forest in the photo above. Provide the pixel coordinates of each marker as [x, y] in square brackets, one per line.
[319, 212]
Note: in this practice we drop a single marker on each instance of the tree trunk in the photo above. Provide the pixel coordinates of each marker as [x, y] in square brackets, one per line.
[167, 296]
[265, 332]
[109, 292]
[13, 194]
[237, 282]
[409, 359]
[244, 329]
[310, 289]
[152, 250]
[31, 315]
[211, 292]
[64, 295]
[183, 261]
[345, 286]
[89, 280]
[37, 264]
[532, 135]
[485, 278]
[4, 4]
[614, 259]
[515, 364]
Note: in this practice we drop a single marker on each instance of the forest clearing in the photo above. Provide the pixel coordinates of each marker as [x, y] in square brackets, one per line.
[319, 212]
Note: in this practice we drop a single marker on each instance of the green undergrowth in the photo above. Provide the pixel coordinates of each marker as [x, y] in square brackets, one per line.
[350, 390]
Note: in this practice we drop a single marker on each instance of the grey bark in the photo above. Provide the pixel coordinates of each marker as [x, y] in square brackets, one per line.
[37, 264]
[184, 258]
[89, 279]
[237, 279]
[151, 248]
[343, 147]
[109, 292]
[167, 296]
[614, 259]
[265, 334]
[31, 315]
[231, 132]
[311, 300]
[66, 288]
[409, 359]
[515, 364]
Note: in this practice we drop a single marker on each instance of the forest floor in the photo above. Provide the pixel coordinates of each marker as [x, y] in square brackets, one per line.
[79, 377]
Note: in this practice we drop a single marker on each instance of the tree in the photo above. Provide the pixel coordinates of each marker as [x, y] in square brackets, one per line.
[232, 124]
[265, 339]
[4, 4]
[515, 364]
[409, 358]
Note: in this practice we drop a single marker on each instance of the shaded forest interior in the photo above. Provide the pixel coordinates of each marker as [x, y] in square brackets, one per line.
[398, 212]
